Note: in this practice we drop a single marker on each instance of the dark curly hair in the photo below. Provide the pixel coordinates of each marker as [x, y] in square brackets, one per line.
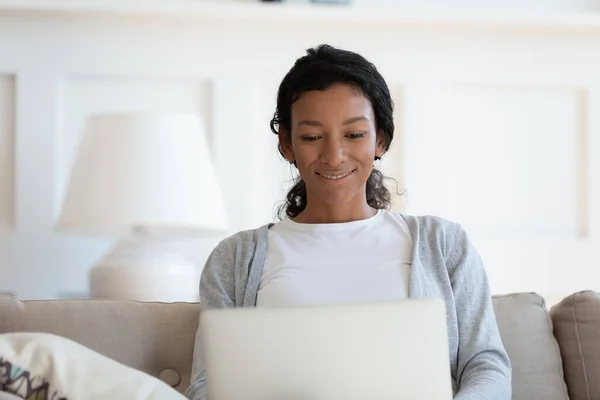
[322, 67]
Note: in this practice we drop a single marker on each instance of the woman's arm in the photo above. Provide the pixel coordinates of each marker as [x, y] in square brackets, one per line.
[217, 290]
[484, 370]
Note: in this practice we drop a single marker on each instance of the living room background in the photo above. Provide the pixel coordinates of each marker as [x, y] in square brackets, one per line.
[498, 118]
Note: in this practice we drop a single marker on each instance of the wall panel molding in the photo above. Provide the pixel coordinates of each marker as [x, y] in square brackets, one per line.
[517, 159]
[7, 151]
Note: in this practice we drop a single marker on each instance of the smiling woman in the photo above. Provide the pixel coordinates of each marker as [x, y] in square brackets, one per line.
[338, 243]
[333, 142]
[333, 122]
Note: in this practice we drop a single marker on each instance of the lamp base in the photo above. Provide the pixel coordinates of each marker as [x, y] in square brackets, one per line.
[145, 269]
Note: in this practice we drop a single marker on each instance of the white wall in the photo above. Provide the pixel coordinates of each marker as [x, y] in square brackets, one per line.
[497, 128]
[543, 5]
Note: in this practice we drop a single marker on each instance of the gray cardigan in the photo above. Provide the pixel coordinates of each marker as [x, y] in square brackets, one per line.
[445, 265]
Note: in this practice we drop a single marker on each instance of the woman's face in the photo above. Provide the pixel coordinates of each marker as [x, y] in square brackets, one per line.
[334, 142]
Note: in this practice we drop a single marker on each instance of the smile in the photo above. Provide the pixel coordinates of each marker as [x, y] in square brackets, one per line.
[336, 176]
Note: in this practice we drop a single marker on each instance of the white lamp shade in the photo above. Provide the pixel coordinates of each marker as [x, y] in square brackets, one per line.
[143, 171]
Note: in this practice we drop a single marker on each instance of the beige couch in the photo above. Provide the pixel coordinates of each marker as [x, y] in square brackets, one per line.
[555, 355]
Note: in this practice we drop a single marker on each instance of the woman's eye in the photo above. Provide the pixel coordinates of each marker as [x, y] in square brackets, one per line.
[309, 138]
[356, 135]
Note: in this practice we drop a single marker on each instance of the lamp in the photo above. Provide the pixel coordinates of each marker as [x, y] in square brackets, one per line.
[149, 180]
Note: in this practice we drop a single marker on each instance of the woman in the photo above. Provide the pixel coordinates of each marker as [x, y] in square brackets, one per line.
[338, 243]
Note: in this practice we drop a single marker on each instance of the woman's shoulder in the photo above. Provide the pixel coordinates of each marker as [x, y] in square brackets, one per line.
[225, 272]
[436, 233]
[431, 224]
[245, 237]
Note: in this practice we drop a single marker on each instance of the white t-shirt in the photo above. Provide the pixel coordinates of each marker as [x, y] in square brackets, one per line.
[353, 262]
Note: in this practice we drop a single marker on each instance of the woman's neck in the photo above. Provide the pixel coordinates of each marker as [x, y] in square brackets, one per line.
[329, 214]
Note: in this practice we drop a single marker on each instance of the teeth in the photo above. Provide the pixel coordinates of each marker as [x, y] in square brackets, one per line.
[335, 176]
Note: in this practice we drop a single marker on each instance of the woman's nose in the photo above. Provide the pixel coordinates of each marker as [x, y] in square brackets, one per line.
[333, 153]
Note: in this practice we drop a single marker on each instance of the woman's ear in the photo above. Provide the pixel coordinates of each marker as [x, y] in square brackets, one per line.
[286, 146]
[381, 145]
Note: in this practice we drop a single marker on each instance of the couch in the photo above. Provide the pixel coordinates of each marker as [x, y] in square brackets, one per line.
[555, 353]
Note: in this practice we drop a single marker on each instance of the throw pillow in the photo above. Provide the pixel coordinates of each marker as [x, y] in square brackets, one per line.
[49, 367]
[526, 331]
[8, 396]
[577, 329]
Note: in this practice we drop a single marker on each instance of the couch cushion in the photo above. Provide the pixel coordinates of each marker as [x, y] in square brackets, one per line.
[151, 337]
[526, 330]
[577, 329]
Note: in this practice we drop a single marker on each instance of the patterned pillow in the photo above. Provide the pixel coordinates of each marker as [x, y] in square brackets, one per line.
[40, 366]
[20, 382]
[8, 396]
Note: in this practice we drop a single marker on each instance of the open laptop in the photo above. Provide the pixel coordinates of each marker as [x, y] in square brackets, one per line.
[373, 351]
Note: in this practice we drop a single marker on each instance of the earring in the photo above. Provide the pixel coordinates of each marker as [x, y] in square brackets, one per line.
[377, 162]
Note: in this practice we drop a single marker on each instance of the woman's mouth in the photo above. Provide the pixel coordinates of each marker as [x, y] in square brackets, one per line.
[334, 176]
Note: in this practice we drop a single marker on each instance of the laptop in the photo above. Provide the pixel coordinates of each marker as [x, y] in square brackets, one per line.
[370, 351]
